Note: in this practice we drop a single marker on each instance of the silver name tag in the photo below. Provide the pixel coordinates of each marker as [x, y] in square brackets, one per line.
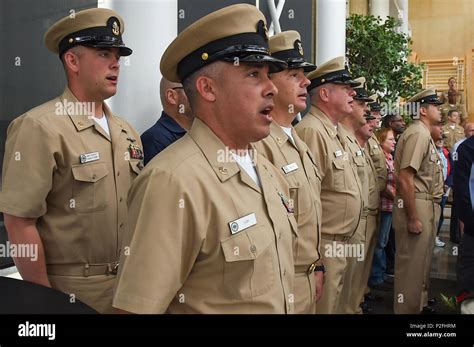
[88, 157]
[290, 168]
[243, 223]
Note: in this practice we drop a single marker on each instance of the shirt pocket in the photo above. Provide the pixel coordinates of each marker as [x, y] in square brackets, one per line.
[359, 161]
[89, 192]
[338, 175]
[248, 267]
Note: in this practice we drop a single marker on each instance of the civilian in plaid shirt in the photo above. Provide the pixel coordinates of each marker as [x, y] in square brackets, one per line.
[387, 141]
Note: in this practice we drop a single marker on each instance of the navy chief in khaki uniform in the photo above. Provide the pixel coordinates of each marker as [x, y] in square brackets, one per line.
[332, 93]
[353, 288]
[218, 238]
[373, 145]
[289, 153]
[417, 170]
[69, 164]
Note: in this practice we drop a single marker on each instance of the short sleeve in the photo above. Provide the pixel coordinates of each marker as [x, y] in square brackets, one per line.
[161, 244]
[28, 168]
[414, 150]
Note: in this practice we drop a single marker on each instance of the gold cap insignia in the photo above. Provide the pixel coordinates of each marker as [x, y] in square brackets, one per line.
[115, 28]
[265, 31]
[300, 48]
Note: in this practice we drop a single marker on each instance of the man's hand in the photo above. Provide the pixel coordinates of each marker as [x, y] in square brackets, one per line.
[319, 276]
[415, 226]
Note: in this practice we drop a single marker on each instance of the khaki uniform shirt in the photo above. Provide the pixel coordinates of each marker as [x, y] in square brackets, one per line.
[374, 188]
[459, 105]
[80, 207]
[341, 197]
[203, 237]
[378, 158]
[297, 165]
[359, 163]
[452, 135]
[417, 150]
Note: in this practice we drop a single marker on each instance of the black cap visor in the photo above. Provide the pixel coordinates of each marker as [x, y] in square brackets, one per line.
[295, 64]
[275, 65]
[124, 51]
[351, 83]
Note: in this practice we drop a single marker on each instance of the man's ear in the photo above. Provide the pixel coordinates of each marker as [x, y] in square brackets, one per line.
[206, 87]
[324, 94]
[171, 97]
[423, 110]
[71, 61]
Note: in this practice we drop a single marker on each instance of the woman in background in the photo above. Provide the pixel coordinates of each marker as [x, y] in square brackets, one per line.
[387, 141]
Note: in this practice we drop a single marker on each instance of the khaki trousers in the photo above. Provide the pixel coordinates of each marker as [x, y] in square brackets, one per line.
[305, 293]
[95, 291]
[334, 277]
[353, 272]
[370, 243]
[413, 258]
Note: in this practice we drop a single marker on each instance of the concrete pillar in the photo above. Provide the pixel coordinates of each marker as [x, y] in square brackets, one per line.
[150, 26]
[403, 16]
[330, 30]
[380, 8]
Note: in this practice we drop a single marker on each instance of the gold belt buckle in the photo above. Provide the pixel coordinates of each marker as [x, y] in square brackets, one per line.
[311, 268]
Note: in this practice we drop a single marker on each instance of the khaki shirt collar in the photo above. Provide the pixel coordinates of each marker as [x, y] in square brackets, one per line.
[328, 125]
[82, 120]
[278, 134]
[216, 153]
[347, 133]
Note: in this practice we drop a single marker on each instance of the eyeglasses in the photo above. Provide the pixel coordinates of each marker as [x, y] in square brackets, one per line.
[177, 88]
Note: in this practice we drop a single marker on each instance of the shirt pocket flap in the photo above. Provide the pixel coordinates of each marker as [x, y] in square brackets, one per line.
[134, 164]
[246, 245]
[90, 172]
[338, 164]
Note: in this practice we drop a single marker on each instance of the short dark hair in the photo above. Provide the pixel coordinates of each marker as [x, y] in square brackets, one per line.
[189, 83]
[450, 112]
[387, 119]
